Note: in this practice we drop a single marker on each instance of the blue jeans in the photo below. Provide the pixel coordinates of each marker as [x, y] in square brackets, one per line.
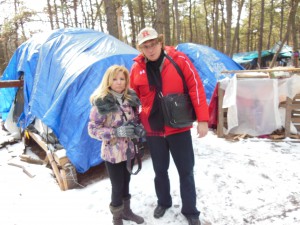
[181, 148]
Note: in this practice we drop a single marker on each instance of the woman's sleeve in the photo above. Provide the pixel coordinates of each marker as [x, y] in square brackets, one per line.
[96, 128]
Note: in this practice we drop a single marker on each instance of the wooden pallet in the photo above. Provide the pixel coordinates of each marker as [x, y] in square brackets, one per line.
[292, 114]
[64, 171]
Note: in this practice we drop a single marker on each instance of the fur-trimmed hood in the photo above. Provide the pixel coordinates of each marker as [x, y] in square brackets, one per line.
[109, 103]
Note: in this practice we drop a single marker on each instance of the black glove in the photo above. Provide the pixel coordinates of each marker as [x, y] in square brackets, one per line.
[124, 131]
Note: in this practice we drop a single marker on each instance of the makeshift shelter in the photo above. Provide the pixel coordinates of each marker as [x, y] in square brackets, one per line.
[209, 62]
[249, 59]
[61, 70]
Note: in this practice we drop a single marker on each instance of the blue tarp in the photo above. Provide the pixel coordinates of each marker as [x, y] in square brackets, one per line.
[247, 57]
[209, 63]
[62, 69]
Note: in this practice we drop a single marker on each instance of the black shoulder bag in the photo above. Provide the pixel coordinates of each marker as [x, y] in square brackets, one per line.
[177, 108]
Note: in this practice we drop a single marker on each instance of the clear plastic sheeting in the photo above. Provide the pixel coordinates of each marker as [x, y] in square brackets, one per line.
[61, 69]
[252, 107]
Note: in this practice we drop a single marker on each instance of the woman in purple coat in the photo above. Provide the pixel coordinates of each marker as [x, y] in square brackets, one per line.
[114, 109]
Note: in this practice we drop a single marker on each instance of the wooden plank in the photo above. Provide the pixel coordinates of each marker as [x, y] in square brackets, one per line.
[55, 170]
[288, 115]
[285, 69]
[60, 157]
[59, 162]
[23, 168]
[11, 83]
[38, 139]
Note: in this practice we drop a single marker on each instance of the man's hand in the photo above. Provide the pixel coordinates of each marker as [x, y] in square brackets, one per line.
[202, 129]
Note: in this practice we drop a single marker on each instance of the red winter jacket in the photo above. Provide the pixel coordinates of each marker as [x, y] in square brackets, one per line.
[171, 83]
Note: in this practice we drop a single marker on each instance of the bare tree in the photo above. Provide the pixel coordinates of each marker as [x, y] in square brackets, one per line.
[208, 41]
[50, 14]
[177, 22]
[132, 21]
[159, 20]
[142, 14]
[111, 15]
[261, 32]
[271, 24]
[167, 32]
[281, 18]
[190, 21]
[292, 14]
[75, 5]
[228, 26]
[215, 23]
[235, 41]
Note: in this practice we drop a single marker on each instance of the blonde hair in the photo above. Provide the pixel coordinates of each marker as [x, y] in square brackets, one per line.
[104, 88]
[160, 39]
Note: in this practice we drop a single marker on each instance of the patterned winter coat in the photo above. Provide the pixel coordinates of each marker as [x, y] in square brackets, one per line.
[106, 115]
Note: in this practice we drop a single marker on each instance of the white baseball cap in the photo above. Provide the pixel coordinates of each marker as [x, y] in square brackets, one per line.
[146, 34]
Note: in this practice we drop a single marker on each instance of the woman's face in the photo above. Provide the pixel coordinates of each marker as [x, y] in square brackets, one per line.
[151, 49]
[119, 82]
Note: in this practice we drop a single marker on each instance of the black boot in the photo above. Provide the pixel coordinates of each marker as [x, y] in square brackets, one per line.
[117, 214]
[129, 215]
[159, 211]
[194, 221]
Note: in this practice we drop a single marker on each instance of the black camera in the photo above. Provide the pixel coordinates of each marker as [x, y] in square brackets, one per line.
[138, 129]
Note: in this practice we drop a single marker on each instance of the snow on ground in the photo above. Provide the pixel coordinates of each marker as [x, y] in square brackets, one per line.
[252, 181]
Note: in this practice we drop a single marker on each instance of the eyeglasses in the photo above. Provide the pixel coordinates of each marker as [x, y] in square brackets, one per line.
[150, 46]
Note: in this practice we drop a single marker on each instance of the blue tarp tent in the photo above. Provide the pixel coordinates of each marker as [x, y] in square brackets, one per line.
[209, 63]
[62, 69]
[251, 57]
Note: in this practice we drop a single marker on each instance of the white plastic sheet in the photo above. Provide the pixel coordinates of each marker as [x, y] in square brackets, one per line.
[256, 110]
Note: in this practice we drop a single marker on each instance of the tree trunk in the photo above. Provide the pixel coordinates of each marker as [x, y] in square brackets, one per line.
[250, 30]
[159, 24]
[295, 30]
[292, 14]
[208, 40]
[50, 15]
[119, 20]
[177, 22]
[261, 32]
[142, 14]
[167, 32]
[132, 22]
[215, 24]
[271, 24]
[16, 36]
[237, 29]
[228, 26]
[190, 21]
[111, 15]
[75, 5]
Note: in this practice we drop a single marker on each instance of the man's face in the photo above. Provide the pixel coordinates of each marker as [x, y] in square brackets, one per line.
[151, 49]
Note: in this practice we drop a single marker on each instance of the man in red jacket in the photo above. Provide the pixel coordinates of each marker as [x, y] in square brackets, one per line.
[151, 73]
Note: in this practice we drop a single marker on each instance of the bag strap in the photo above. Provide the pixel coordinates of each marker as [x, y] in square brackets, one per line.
[179, 71]
[137, 155]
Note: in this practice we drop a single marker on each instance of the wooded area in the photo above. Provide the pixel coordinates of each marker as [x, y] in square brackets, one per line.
[229, 26]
